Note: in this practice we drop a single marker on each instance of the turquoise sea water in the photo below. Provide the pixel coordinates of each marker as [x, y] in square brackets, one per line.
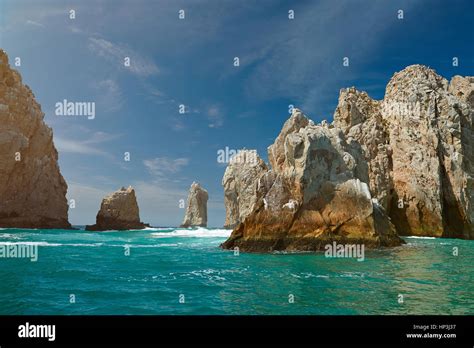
[165, 264]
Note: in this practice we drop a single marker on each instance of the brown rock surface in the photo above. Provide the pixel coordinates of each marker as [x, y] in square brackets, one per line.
[32, 189]
[118, 211]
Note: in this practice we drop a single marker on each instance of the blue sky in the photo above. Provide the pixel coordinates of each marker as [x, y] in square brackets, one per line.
[191, 61]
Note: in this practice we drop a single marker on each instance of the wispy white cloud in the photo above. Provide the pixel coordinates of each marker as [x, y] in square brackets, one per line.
[74, 146]
[76, 30]
[160, 167]
[215, 117]
[157, 96]
[110, 95]
[34, 23]
[116, 53]
[88, 146]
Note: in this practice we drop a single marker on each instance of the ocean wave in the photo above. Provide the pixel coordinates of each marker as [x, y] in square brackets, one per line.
[306, 275]
[154, 229]
[201, 232]
[418, 237]
[145, 245]
[47, 244]
[52, 244]
[30, 243]
[9, 236]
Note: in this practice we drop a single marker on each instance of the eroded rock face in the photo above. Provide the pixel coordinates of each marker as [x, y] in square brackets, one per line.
[315, 193]
[360, 118]
[196, 209]
[118, 211]
[419, 145]
[240, 185]
[32, 189]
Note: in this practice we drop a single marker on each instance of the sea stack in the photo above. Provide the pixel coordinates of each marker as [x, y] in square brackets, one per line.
[315, 193]
[118, 211]
[419, 145]
[240, 185]
[382, 169]
[196, 209]
[32, 189]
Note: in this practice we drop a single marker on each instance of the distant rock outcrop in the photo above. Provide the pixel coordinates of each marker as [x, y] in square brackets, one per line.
[406, 160]
[32, 189]
[118, 211]
[240, 185]
[314, 194]
[196, 210]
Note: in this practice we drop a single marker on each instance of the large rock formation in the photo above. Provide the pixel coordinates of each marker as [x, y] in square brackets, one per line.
[315, 193]
[419, 145]
[118, 211]
[196, 210]
[240, 185]
[407, 159]
[32, 189]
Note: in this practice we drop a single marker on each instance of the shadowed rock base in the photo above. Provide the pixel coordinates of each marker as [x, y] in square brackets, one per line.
[303, 244]
[111, 224]
[38, 222]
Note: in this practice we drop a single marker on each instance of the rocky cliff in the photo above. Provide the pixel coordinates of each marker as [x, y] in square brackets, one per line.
[419, 145]
[240, 185]
[402, 165]
[32, 189]
[315, 193]
[118, 211]
[196, 209]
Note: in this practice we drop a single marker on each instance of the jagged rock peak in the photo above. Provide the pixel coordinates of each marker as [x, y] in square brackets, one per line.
[413, 80]
[296, 121]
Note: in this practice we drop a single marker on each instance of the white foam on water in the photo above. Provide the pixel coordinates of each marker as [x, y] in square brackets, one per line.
[52, 244]
[85, 244]
[9, 236]
[30, 243]
[145, 245]
[418, 237]
[155, 229]
[200, 232]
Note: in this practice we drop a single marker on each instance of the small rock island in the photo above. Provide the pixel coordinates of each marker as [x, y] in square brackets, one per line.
[118, 211]
[196, 209]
